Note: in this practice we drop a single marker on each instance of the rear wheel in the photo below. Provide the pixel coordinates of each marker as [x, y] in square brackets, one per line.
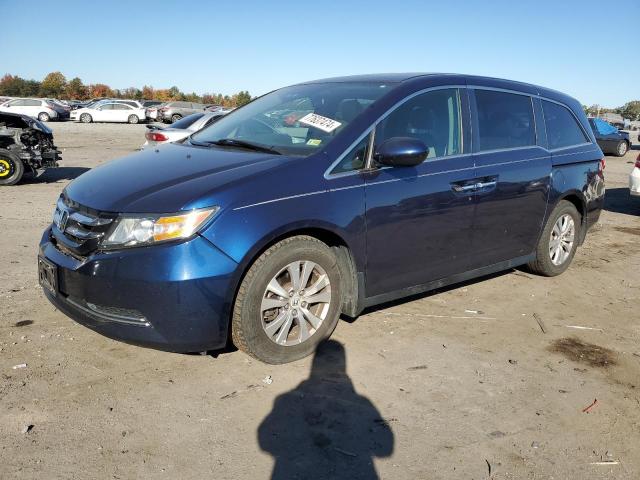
[44, 117]
[558, 242]
[288, 302]
[11, 169]
[86, 118]
[622, 148]
[133, 119]
[175, 118]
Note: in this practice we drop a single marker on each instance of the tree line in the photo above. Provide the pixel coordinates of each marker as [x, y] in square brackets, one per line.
[630, 110]
[55, 85]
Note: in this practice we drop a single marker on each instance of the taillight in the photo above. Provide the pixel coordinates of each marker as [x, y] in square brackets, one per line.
[638, 161]
[603, 164]
[156, 137]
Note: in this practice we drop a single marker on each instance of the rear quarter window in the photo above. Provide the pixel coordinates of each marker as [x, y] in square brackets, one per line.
[563, 129]
[505, 120]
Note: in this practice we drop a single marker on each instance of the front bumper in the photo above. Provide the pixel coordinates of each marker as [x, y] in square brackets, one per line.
[174, 297]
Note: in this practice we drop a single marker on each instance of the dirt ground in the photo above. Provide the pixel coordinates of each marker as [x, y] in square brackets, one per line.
[461, 383]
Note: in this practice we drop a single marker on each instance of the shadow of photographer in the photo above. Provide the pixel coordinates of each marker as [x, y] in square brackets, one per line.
[324, 429]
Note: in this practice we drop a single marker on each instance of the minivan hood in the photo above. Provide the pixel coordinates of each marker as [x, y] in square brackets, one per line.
[165, 180]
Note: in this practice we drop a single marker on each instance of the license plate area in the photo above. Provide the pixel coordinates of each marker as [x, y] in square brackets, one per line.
[48, 275]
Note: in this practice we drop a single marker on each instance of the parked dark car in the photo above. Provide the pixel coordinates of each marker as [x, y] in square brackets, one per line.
[173, 111]
[26, 147]
[264, 230]
[609, 138]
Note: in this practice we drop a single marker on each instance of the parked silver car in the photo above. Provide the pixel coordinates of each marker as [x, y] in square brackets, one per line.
[157, 135]
[42, 109]
[174, 111]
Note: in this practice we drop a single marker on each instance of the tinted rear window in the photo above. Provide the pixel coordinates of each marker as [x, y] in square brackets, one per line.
[505, 120]
[562, 127]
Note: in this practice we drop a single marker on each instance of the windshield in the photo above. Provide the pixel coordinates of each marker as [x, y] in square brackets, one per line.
[295, 120]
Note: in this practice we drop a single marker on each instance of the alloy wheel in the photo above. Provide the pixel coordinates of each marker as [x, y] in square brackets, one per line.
[561, 240]
[622, 148]
[295, 303]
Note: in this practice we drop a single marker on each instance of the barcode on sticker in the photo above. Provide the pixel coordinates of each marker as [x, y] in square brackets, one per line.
[318, 121]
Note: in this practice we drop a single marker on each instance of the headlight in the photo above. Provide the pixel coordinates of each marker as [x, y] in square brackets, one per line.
[140, 230]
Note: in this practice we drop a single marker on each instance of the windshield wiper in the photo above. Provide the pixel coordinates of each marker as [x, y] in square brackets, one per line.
[234, 142]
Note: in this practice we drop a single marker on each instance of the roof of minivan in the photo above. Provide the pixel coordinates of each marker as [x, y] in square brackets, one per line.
[471, 79]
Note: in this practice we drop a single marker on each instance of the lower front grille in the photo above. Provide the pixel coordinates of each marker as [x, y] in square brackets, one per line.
[111, 314]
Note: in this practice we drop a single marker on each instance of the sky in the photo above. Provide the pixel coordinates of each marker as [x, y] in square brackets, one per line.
[575, 46]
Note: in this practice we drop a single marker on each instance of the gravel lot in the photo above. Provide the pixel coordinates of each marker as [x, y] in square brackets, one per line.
[460, 383]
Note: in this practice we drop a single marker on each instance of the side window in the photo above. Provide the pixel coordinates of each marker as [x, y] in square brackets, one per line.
[17, 103]
[433, 117]
[354, 159]
[505, 120]
[106, 106]
[562, 127]
[32, 103]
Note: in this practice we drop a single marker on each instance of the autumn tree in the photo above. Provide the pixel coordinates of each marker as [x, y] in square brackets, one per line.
[242, 98]
[631, 110]
[75, 89]
[148, 93]
[14, 86]
[100, 90]
[53, 85]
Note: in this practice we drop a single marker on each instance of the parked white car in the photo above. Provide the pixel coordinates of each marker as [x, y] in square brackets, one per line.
[109, 112]
[634, 179]
[38, 108]
[157, 135]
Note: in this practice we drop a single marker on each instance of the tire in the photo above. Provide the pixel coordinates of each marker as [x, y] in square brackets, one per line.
[11, 169]
[175, 117]
[44, 117]
[133, 119]
[253, 314]
[545, 263]
[86, 118]
[622, 148]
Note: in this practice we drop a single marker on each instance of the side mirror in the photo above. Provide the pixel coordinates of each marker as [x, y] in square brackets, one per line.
[401, 152]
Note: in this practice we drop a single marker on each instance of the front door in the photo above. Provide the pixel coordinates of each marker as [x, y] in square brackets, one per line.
[419, 218]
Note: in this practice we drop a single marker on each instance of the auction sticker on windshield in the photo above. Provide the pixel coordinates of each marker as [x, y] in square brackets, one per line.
[318, 121]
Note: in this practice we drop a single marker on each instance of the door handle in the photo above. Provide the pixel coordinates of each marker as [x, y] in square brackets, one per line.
[480, 185]
[463, 188]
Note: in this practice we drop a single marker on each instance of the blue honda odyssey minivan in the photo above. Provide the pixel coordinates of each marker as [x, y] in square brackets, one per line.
[322, 199]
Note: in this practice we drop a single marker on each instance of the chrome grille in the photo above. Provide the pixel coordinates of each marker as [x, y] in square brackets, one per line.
[79, 229]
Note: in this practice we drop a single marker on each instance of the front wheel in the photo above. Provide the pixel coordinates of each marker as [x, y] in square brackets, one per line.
[558, 242]
[11, 169]
[288, 302]
[622, 148]
[133, 119]
[86, 118]
[175, 118]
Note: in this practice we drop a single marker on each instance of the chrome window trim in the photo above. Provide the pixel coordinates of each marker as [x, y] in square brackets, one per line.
[533, 115]
[327, 175]
[580, 126]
